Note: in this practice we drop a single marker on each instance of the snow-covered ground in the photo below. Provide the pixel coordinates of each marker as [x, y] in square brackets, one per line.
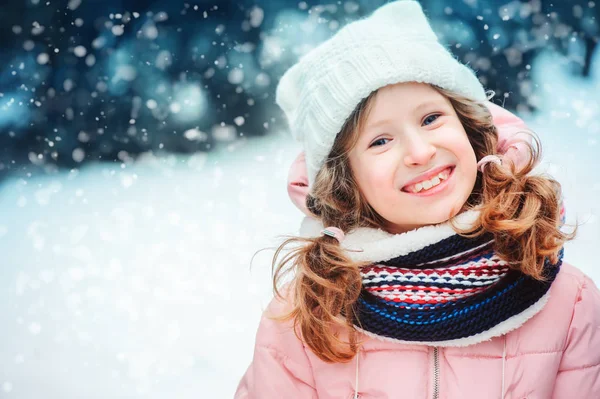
[136, 282]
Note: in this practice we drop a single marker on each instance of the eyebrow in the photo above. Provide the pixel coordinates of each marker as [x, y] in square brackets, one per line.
[416, 109]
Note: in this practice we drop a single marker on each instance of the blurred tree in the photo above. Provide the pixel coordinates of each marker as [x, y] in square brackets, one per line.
[108, 80]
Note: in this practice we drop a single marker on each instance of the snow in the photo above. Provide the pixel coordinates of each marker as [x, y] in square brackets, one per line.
[133, 280]
[80, 51]
[116, 286]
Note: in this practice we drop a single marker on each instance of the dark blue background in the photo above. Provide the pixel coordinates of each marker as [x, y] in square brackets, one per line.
[61, 109]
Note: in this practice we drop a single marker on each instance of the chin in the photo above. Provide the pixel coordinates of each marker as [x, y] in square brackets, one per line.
[441, 219]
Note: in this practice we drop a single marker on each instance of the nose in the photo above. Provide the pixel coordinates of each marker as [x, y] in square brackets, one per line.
[418, 150]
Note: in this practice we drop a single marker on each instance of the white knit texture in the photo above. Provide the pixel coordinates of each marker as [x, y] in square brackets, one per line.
[395, 44]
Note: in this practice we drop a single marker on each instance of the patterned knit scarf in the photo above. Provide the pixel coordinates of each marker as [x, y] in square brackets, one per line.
[431, 286]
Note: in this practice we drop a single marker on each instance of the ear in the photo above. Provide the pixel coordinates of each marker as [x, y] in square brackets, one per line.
[297, 184]
[510, 143]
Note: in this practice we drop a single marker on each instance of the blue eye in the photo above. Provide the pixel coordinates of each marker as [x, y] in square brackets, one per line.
[430, 116]
[376, 141]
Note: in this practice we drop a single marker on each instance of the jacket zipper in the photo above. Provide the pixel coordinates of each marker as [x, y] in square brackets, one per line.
[436, 373]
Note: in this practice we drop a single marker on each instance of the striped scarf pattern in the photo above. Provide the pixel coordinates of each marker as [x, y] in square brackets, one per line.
[449, 293]
[431, 286]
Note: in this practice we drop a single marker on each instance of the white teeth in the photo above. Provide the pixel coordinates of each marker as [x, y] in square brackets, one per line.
[427, 184]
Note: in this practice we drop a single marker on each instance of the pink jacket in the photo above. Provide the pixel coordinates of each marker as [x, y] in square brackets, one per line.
[555, 354]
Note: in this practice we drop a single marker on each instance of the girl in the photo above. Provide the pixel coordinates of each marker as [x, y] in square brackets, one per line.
[430, 263]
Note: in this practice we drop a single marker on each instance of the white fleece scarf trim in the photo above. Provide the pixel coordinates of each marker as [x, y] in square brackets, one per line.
[377, 245]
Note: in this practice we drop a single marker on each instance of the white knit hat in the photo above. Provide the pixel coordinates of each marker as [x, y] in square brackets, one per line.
[395, 44]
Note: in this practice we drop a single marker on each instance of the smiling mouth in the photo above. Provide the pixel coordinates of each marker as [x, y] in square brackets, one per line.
[426, 185]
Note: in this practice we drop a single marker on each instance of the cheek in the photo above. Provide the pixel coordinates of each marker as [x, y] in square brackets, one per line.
[374, 176]
[462, 148]
[378, 174]
[466, 153]
[467, 160]
[458, 143]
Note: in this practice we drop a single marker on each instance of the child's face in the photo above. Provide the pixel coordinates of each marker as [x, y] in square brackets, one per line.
[411, 130]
